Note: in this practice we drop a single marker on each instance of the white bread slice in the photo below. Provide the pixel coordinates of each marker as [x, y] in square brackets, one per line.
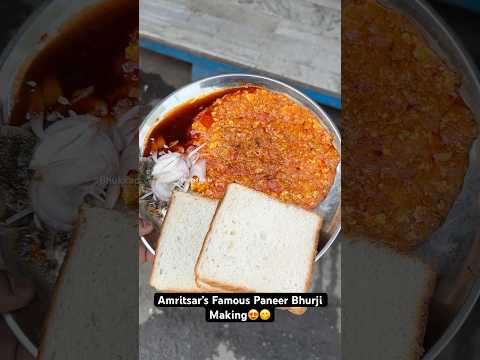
[96, 296]
[385, 301]
[181, 237]
[259, 244]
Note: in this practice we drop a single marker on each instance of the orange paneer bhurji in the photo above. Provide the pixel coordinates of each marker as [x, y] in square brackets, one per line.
[268, 142]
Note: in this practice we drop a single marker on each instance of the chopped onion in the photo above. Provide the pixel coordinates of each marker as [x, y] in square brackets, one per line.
[75, 151]
[173, 170]
[37, 123]
[83, 93]
[129, 159]
[72, 156]
[63, 100]
[128, 124]
[162, 191]
[57, 207]
[129, 67]
[170, 168]
[199, 169]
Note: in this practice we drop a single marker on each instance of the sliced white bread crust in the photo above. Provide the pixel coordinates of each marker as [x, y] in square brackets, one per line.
[220, 288]
[181, 238]
[95, 291]
[259, 244]
[388, 295]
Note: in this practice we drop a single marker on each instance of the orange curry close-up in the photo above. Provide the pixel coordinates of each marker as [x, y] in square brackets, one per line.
[266, 141]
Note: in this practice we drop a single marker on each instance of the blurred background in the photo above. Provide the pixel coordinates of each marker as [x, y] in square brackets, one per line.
[162, 71]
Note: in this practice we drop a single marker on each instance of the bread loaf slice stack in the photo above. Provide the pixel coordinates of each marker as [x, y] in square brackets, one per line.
[96, 298]
[249, 242]
[259, 244]
[181, 237]
[384, 303]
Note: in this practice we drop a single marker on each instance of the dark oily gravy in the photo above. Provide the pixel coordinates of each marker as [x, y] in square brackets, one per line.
[176, 124]
[85, 53]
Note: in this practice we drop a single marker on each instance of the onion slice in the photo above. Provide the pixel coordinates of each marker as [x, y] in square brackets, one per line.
[72, 157]
[199, 170]
[176, 171]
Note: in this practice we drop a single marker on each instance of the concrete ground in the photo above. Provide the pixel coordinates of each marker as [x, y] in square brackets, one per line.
[182, 333]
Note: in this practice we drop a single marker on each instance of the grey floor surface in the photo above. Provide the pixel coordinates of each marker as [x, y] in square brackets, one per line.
[297, 40]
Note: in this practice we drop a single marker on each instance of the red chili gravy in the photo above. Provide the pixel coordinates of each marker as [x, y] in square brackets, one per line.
[85, 53]
[176, 124]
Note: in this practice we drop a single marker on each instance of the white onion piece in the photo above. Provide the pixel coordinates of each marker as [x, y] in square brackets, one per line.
[129, 159]
[36, 122]
[73, 156]
[162, 191]
[199, 169]
[64, 139]
[117, 138]
[193, 155]
[128, 124]
[55, 206]
[146, 196]
[170, 168]
[166, 161]
[83, 93]
[174, 170]
[129, 67]
[76, 153]
[72, 123]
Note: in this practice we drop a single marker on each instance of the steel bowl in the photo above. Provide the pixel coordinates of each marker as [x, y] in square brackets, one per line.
[46, 22]
[458, 285]
[329, 208]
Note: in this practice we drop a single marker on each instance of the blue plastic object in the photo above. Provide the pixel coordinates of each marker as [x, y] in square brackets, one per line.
[203, 67]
